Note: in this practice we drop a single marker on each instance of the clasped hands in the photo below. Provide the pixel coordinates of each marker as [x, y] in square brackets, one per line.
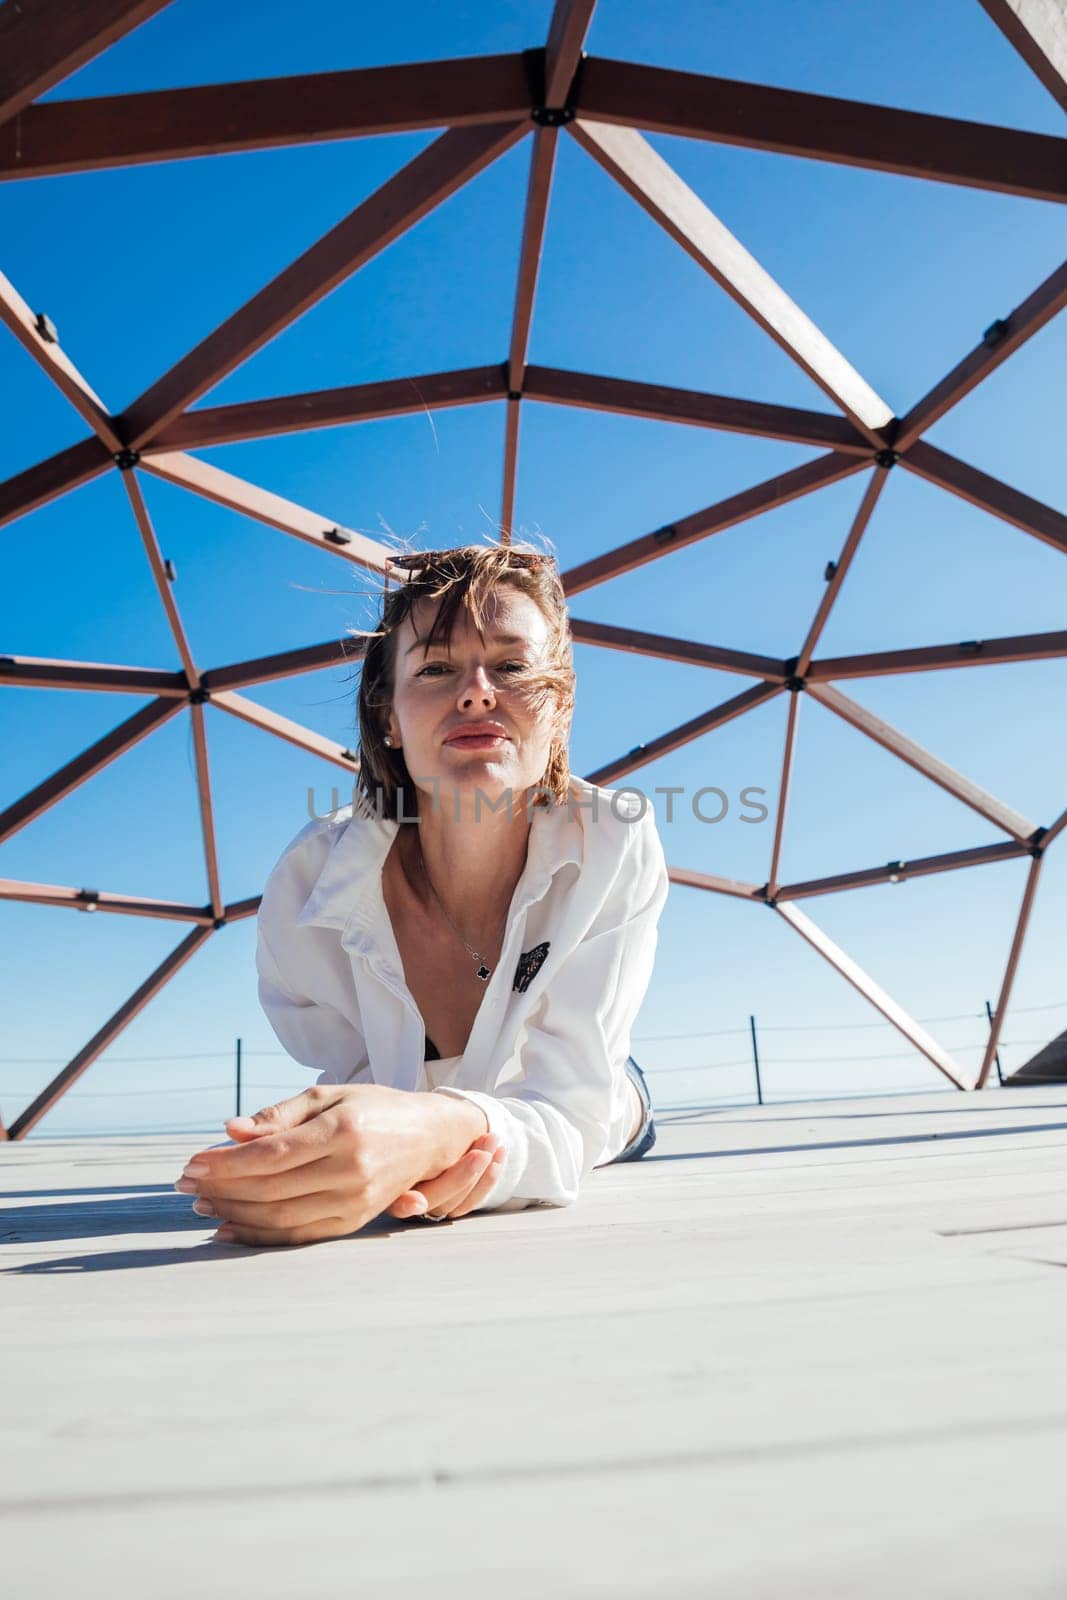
[323, 1163]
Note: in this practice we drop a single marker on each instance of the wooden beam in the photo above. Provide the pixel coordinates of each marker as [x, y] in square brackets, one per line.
[1022, 922]
[109, 1032]
[688, 651]
[913, 1031]
[213, 119]
[823, 128]
[1000, 340]
[685, 733]
[653, 183]
[450, 162]
[713, 519]
[987, 493]
[41, 43]
[225, 489]
[125, 905]
[923, 761]
[49, 479]
[42, 672]
[39, 341]
[1038, 30]
[661, 403]
[90, 761]
[294, 733]
[284, 664]
[331, 408]
[932, 657]
[892, 872]
[566, 35]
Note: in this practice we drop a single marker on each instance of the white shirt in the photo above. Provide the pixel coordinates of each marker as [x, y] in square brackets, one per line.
[544, 1061]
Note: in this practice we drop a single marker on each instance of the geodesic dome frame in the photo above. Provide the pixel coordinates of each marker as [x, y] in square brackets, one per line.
[487, 105]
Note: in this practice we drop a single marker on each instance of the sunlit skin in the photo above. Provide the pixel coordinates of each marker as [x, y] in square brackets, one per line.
[323, 1163]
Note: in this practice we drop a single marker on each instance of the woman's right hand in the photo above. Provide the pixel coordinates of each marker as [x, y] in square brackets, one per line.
[457, 1190]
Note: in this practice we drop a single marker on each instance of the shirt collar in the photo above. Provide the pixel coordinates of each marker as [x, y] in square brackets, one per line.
[341, 894]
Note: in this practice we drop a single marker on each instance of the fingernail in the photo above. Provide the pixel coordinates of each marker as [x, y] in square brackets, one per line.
[498, 1155]
[420, 1205]
[223, 1235]
[185, 1186]
[204, 1208]
[195, 1169]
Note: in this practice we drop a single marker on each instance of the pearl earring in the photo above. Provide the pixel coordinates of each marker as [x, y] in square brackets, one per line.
[388, 740]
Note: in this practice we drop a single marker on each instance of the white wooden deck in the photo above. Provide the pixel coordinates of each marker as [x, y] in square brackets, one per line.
[813, 1350]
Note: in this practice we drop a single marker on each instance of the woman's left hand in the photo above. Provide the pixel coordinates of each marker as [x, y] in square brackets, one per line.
[322, 1164]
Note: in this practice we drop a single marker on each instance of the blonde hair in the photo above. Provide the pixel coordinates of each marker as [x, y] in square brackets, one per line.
[463, 576]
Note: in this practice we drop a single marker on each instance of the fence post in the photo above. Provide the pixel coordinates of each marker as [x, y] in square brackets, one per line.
[238, 1068]
[755, 1058]
[996, 1053]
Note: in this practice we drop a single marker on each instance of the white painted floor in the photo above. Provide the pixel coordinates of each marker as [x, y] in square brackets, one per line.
[813, 1349]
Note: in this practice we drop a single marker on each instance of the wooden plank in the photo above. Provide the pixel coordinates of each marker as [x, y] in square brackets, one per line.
[873, 992]
[987, 493]
[1038, 30]
[226, 489]
[44, 672]
[41, 43]
[923, 761]
[662, 403]
[110, 1031]
[695, 728]
[330, 408]
[777, 491]
[211, 119]
[1002, 338]
[449, 163]
[933, 657]
[900, 871]
[824, 128]
[104, 902]
[53, 361]
[47, 480]
[566, 35]
[689, 651]
[93, 759]
[654, 184]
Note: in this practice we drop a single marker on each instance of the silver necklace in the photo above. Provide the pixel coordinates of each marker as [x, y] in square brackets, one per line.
[484, 971]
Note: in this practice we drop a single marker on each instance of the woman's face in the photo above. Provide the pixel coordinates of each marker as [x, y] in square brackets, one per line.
[439, 694]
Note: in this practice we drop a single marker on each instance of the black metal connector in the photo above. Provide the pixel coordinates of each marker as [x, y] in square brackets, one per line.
[514, 394]
[770, 900]
[89, 897]
[973, 647]
[792, 682]
[126, 460]
[218, 922]
[46, 328]
[550, 116]
[1034, 846]
[636, 751]
[198, 696]
[337, 536]
[895, 869]
[665, 535]
[887, 458]
[830, 570]
[996, 333]
[349, 755]
[170, 569]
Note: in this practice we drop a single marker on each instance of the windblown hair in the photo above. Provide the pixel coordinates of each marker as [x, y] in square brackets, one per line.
[463, 577]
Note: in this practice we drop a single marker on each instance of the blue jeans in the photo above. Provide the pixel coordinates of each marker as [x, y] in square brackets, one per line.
[645, 1137]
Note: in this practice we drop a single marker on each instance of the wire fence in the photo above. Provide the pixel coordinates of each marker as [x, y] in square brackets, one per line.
[756, 1058]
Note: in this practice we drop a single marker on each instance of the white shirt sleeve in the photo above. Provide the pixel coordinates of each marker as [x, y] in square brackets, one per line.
[311, 1031]
[555, 1123]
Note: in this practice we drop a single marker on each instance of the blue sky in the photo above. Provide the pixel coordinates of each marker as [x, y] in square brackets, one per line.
[135, 266]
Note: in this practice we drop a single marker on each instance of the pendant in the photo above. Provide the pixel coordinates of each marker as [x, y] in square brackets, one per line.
[483, 972]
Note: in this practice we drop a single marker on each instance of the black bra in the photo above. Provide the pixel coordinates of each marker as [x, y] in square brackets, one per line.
[432, 1052]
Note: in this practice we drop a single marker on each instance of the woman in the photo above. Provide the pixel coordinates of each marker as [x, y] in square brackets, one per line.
[463, 950]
